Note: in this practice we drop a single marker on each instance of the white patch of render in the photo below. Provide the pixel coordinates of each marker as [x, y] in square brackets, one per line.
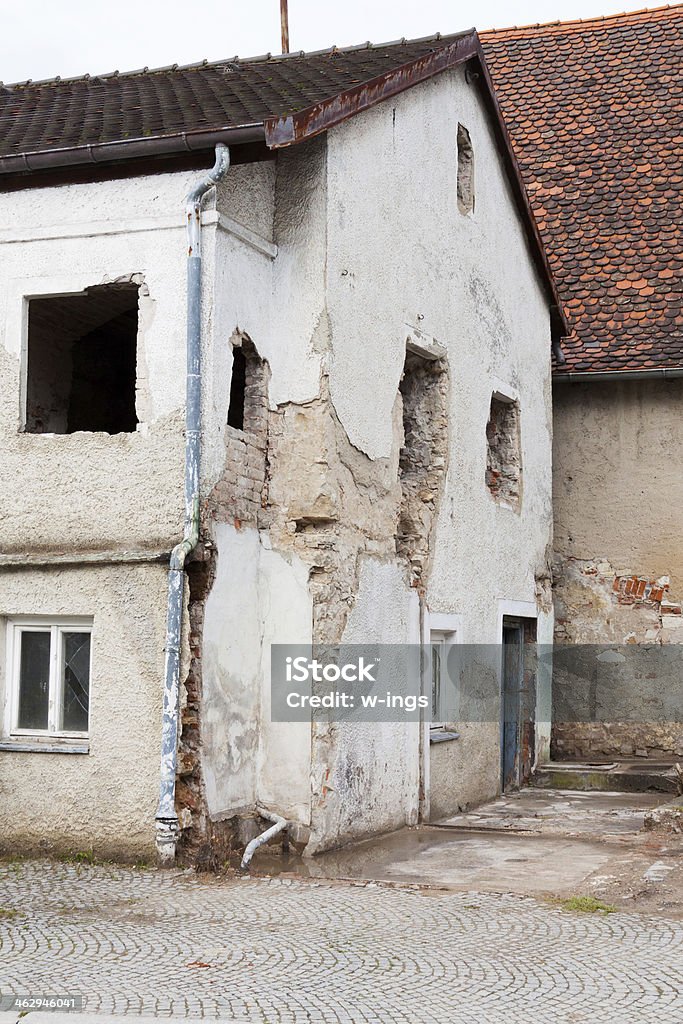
[259, 597]
[366, 775]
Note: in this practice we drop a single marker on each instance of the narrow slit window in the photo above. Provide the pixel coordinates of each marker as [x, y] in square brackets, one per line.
[248, 404]
[238, 385]
[81, 361]
[465, 183]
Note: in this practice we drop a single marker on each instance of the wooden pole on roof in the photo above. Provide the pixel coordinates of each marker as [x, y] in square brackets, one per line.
[284, 25]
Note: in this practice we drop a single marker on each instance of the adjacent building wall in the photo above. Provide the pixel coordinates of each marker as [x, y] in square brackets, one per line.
[619, 563]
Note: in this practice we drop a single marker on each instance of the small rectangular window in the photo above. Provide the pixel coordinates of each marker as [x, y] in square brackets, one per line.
[81, 361]
[443, 695]
[49, 678]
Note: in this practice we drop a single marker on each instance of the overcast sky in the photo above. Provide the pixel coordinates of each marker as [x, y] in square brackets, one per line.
[44, 38]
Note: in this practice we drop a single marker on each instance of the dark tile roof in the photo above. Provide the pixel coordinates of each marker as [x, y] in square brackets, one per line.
[594, 109]
[101, 109]
[52, 127]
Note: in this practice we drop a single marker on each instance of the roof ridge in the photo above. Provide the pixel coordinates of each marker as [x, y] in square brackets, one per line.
[262, 58]
[597, 20]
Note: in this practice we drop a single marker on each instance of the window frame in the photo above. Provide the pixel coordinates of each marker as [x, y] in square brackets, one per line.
[448, 630]
[57, 627]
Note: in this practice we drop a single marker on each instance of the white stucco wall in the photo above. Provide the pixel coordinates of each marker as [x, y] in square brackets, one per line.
[366, 775]
[115, 491]
[96, 492]
[259, 598]
[401, 255]
[276, 297]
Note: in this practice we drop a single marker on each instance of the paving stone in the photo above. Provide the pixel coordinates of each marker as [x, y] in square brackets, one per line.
[172, 944]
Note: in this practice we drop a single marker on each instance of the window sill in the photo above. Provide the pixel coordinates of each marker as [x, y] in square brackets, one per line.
[55, 746]
[442, 736]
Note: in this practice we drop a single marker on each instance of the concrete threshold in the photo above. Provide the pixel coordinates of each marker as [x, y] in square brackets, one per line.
[626, 776]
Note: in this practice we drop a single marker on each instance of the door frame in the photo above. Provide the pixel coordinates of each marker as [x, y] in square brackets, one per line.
[522, 613]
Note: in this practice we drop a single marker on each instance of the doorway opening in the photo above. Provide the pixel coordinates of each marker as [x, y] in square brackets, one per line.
[518, 702]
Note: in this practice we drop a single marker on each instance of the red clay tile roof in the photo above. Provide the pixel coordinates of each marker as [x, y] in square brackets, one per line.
[595, 111]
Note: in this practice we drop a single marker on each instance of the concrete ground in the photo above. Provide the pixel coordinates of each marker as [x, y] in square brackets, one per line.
[475, 921]
[536, 842]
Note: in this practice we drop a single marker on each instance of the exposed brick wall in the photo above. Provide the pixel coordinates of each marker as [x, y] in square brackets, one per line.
[597, 604]
[239, 492]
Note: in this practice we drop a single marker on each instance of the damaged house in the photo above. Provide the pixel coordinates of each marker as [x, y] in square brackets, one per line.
[319, 389]
[595, 111]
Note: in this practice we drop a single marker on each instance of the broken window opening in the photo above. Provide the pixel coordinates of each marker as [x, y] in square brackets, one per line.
[423, 457]
[237, 386]
[248, 388]
[81, 361]
[465, 177]
[503, 452]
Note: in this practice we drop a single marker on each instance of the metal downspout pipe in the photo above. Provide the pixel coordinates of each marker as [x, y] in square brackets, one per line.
[167, 827]
[279, 825]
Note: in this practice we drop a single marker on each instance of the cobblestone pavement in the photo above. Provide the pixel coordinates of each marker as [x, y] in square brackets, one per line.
[281, 950]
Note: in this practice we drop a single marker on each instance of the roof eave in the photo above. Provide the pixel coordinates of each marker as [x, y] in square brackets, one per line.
[305, 124]
[129, 149]
[591, 376]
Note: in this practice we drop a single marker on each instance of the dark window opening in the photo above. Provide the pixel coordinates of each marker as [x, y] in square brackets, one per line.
[237, 389]
[465, 185]
[81, 368]
[248, 406]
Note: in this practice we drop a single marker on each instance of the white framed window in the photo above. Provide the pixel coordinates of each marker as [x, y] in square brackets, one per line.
[442, 631]
[48, 677]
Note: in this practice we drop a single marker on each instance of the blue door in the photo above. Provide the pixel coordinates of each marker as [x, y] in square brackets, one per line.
[513, 682]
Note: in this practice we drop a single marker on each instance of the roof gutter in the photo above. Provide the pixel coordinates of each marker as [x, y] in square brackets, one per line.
[658, 373]
[111, 152]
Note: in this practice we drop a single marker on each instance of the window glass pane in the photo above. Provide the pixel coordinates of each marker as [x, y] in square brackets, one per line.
[76, 676]
[436, 681]
[34, 680]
